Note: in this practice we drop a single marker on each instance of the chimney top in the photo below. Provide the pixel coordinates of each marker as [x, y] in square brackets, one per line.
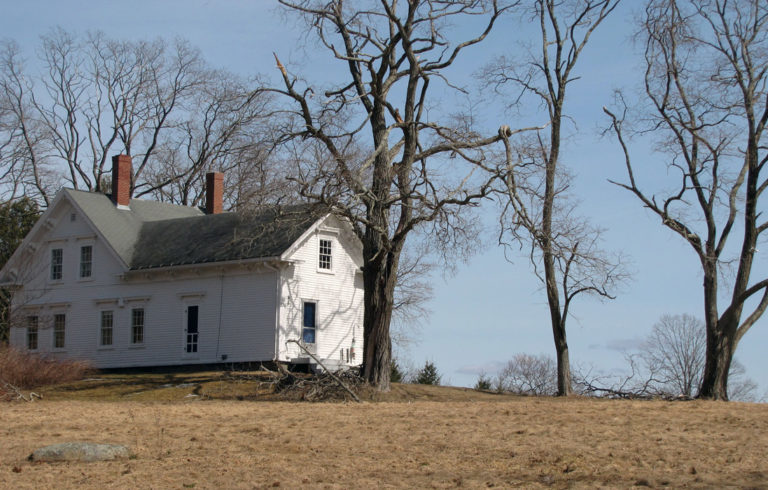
[214, 192]
[121, 180]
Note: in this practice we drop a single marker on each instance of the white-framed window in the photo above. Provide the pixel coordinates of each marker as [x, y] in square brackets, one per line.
[57, 263]
[325, 260]
[107, 326]
[137, 326]
[86, 261]
[309, 322]
[32, 325]
[59, 330]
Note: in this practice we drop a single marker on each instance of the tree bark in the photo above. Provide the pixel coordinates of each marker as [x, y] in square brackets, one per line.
[380, 278]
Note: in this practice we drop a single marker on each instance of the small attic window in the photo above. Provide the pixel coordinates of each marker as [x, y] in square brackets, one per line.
[73, 217]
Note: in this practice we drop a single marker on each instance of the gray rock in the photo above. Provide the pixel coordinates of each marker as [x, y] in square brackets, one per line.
[80, 451]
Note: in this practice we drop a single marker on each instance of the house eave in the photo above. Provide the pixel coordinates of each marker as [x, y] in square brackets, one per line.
[199, 265]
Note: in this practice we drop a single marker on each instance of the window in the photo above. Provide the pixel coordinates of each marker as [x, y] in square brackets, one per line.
[32, 324]
[107, 322]
[192, 329]
[59, 328]
[86, 260]
[57, 261]
[137, 326]
[308, 325]
[325, 255]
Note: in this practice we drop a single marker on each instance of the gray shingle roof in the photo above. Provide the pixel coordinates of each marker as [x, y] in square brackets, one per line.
[221, 237]
[153, 234]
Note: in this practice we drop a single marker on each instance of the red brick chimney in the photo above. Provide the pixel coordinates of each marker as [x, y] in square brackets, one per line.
[121, 179]
[214, 192]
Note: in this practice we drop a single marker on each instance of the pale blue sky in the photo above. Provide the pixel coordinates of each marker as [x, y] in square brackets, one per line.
[490, 309]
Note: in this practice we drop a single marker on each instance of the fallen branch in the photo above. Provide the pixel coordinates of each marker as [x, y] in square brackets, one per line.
[333, 376]
[9, 391]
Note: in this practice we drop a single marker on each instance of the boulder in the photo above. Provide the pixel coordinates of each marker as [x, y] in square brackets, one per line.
[80, 451]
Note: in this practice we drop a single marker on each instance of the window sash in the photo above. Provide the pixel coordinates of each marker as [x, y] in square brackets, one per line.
[137, 326]
[107, 324]
[325, 255]
[59, 330]
[309, 323]
[57, 262]
[32, 337]
[86, 261]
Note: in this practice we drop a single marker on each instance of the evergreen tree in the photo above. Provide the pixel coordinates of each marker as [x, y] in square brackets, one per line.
[428, 375]
[16, 219]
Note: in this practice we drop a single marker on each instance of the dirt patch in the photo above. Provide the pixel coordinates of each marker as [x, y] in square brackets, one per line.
[510, 442]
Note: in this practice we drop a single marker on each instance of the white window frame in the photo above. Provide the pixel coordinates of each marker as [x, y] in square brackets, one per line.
[325, 255]
[136, 327]
[103, 315]
[33, 326]
[57, 266]
[86, 266]
[57, 330]
[315, 327]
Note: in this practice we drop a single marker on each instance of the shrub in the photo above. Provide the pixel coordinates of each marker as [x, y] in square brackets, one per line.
[26, 370]
[395, 372]
[528, 375]
[483, 383]
[428, 375]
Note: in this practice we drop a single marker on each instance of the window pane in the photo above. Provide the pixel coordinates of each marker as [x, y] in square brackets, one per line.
[137, 326]
[308, 335]
[107, 321]
[59, 328]
[86, 261]
[325, 254]
[308, 330]
[32, 332]
[57, 259]
[309, 315]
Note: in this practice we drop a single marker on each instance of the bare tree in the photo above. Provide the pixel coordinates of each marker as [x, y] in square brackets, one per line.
[674, 351]
[705, 80]
[528, 375]
[564, 248]
[23, 145]
[154, 100]
[221, 130]
[668, 364]
[375, 152]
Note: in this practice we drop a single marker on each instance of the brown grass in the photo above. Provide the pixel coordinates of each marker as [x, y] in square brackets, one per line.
[471, 440]
[26, 370]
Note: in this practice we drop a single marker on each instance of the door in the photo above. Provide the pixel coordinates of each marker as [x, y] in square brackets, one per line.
[309, 326]
[191, 330]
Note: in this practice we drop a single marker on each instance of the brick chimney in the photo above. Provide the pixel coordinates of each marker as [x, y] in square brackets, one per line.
[214, 192]
[121, 180]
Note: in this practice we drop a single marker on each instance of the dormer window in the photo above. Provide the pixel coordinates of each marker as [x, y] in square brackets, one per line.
[57, 263]
[325, 261]
[86, 261]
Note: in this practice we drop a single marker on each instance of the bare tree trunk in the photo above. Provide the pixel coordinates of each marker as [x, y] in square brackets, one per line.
[377, 347]
[720, 349]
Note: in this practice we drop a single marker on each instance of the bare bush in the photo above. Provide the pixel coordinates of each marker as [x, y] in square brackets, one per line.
[24, 370]
[528, 375]
[669, 364]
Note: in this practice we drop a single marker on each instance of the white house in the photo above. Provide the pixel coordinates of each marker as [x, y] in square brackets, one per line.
[126, 282]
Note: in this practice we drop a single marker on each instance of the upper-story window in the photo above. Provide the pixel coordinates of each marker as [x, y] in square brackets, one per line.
[86, 261]
[325, 262]
[57, 263]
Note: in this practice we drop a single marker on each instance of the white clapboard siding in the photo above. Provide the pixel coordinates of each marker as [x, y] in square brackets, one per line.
[338, 295]
[247, 311]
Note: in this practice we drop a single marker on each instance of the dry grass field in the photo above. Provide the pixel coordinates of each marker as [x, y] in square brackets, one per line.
[417, 437]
